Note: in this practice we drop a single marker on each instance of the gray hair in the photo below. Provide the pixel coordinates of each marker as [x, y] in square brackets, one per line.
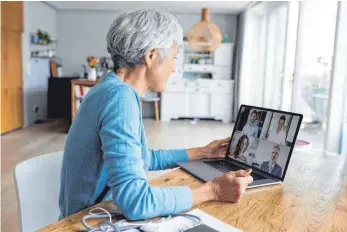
[134, 33]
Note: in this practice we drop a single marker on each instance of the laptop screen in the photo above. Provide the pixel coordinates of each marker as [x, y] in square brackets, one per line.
[264, 139]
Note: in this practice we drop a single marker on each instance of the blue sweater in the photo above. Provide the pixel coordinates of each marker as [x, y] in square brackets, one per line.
[106, 154]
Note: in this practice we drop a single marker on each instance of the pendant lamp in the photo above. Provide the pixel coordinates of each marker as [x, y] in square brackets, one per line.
[205, 35]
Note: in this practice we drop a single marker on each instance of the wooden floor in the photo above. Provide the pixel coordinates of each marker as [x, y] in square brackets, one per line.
[50, 137]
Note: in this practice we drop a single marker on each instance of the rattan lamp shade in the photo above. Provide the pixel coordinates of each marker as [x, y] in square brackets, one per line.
[205, 35]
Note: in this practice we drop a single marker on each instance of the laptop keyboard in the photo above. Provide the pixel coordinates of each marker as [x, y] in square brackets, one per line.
[225, 166]
[257, 177]
[222, 165]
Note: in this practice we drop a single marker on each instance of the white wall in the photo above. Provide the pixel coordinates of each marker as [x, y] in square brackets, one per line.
[37, 15]
[83, 33]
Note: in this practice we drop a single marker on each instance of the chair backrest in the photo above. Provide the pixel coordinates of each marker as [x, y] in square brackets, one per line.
[150, 96]
[38, 185]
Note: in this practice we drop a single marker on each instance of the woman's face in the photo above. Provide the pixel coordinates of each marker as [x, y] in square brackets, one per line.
[160, 71]
[244, 145]
[280, 124]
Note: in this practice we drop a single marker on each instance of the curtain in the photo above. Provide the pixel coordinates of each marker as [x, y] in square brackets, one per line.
[237, 62]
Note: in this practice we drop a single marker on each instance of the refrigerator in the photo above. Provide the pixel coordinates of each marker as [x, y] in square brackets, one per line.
[35, 89]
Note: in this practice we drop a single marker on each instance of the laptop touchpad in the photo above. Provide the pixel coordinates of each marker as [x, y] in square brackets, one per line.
[205, 172]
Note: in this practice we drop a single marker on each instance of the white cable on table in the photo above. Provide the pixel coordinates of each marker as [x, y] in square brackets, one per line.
[108, 226]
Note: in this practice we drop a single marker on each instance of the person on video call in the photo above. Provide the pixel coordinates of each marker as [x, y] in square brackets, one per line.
[278, 134]
[271, 166]
[251, 128]
[241, 148]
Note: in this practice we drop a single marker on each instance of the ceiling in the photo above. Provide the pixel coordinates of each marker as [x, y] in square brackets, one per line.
[222, 7]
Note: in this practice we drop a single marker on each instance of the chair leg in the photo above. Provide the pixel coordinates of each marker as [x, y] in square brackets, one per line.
[156, 106]
[142, 104]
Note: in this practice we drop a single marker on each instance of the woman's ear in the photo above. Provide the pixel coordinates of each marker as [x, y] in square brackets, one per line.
[151, 57]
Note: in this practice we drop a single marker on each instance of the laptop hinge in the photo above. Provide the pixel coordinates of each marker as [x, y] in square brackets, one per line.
[255, 170]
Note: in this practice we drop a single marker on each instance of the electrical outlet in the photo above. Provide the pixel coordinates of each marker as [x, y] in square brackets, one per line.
[36, 108]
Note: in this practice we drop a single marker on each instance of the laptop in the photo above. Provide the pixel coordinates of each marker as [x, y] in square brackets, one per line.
[262, 139]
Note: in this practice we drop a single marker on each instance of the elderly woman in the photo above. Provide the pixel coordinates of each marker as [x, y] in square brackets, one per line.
[106, 152]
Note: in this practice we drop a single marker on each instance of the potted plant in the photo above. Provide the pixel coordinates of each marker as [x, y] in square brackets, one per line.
[92, 62]
[44, 37]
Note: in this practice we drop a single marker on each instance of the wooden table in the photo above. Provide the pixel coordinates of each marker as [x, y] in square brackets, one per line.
[313, 197]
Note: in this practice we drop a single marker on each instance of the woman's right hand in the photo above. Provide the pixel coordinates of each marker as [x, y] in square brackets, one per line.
[231, 186]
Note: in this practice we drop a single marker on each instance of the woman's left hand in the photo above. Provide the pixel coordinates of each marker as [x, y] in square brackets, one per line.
[215, 149]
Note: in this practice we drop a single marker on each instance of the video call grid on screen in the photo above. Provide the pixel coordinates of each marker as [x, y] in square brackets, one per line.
[263, 139]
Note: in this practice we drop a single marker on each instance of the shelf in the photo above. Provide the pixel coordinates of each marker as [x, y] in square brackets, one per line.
[200, 55]
[199, 65]
[37, 44]
[42, 57]
[43, 45]
[85, 82]
[53, 42]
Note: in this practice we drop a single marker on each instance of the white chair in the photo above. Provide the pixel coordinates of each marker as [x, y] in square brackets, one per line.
[151, 97]
[38, 185]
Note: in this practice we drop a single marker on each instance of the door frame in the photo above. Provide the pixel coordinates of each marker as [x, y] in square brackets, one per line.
[298, 59]
[274, 6]
[263, 11]
[333, 134]
[338, 84]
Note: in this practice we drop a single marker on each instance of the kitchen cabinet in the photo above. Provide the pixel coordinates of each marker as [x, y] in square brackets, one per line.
[11, 68]
[178, 73]
[222, 73]
[12, 16]
[197, 99]
[5, 110]
[221, 106]
[193, 97]
[223, 56]
[198, 68]
[175, 105]
[59, 103]
[11, 81]
[221, 99]
[223, 61]
[179, 58]
[11, 108]
[199, 104]
[175, 85]
[17, 107]
[222, 86]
